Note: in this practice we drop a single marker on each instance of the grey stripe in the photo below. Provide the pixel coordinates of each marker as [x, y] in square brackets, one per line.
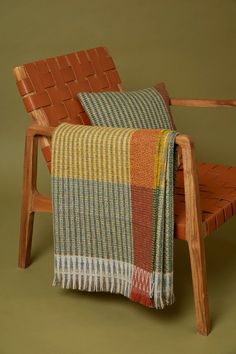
[139, 109]
[117, 228]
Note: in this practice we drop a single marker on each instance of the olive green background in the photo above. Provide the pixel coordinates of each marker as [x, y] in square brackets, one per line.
[191, 46]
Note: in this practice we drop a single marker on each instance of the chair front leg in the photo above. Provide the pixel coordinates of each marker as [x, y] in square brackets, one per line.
[196, 248]
[195, 236]
[28, 190]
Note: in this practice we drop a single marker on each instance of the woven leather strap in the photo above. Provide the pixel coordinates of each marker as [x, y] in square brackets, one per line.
[48, 87]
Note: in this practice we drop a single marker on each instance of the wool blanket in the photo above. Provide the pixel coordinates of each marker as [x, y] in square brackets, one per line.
[113, 211]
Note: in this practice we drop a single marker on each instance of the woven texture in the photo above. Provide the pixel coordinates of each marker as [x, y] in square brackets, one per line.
[113, 211]
[134, 109]
[217, 182]
[217, 197]
[48, 87]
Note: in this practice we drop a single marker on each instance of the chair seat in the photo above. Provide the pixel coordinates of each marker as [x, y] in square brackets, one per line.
[217, 197]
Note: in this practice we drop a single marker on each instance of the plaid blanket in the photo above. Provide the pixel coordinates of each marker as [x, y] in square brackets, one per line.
[113, 217]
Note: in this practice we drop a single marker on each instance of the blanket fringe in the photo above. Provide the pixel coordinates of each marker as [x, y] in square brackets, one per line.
[93, 274]
[107, 275]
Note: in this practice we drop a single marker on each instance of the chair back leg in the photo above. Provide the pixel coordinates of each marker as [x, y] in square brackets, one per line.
[28, 190]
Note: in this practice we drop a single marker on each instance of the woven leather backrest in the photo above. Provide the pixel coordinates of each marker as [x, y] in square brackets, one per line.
[49, 87]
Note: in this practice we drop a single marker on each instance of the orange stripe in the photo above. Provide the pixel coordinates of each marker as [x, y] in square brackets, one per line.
[142, 156]
[142, 164]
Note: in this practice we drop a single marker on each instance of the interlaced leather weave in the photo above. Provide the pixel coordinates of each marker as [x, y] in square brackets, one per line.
[48, 89]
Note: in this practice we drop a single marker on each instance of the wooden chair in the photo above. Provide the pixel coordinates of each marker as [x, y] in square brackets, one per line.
[48, 88]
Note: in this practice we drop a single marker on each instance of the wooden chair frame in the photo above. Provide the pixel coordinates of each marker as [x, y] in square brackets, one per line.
[33, 201]
[48, 89]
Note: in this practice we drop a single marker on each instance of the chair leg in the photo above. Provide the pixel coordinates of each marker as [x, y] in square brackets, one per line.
[26, 230]
[194, 234]
[199, 278]
[27, 214]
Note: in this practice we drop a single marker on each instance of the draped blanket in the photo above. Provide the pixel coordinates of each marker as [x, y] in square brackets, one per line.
[113, 217]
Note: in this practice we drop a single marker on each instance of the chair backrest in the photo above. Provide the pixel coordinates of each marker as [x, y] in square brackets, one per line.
[49, 87]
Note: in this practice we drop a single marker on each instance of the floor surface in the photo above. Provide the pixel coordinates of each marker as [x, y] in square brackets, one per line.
[38, 318]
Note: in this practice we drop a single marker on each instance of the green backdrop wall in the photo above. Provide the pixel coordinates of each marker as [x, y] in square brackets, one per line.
[190, 45]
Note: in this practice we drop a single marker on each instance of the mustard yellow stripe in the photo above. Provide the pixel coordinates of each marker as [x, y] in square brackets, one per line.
[99, 154]
[119, 160]
[59, 148]
[109, 158]
[62, 145]
[159, 161]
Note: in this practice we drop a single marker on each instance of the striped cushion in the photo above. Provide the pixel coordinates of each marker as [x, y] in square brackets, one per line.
[147, 108]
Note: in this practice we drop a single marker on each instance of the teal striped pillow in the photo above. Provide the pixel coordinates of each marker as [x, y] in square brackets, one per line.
[147, 108]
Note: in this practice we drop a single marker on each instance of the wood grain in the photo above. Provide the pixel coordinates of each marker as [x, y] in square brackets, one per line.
[202, 103]
[195, 234]
[28, 190]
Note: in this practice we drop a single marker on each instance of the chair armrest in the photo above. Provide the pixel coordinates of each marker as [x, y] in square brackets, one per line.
[194, 225]
[202, 103]
[39, 130]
